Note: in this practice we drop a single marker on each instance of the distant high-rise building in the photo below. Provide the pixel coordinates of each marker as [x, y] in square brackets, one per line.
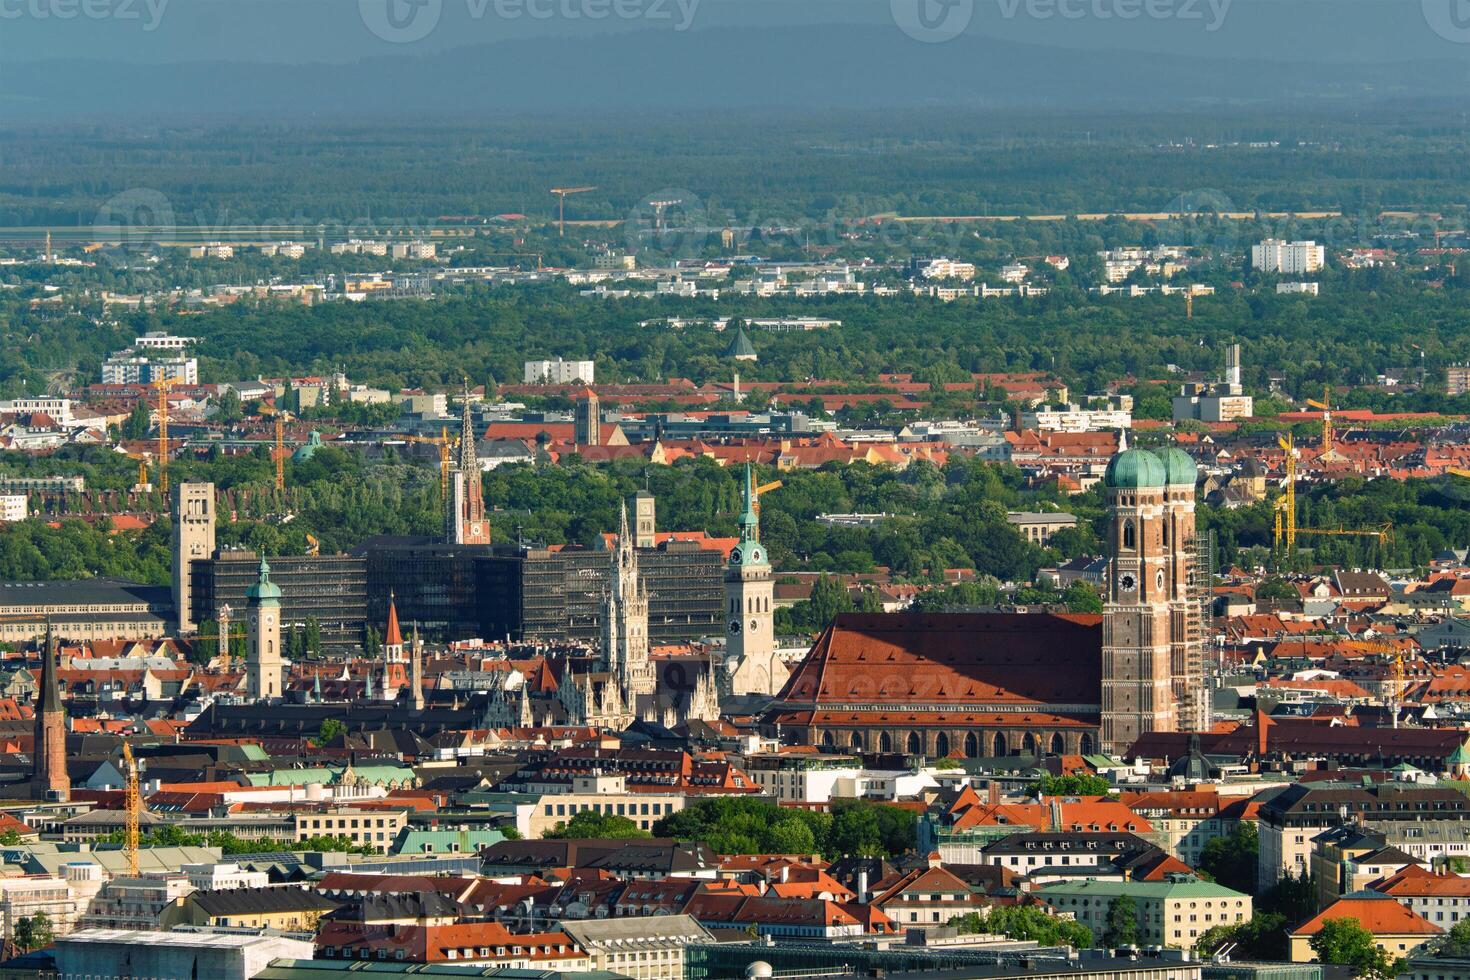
[1275, 255]
[193, 539]
[559, 372]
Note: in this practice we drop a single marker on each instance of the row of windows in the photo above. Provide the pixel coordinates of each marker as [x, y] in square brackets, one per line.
[623, 809]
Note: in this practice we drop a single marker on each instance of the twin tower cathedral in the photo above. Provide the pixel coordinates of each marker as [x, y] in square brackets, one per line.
[1152, 642]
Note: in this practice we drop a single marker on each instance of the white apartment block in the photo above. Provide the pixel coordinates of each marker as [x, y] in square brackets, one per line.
[947, 269]
[1301, 288]
[129, 368]
[1289, 258]
[558, 371]
[12, 508]
[58, 409]
[159, 340]
[615, 261]
[214, 250]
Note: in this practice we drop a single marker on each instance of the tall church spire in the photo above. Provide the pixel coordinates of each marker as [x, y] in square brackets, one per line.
[51, 780]
[465, 508]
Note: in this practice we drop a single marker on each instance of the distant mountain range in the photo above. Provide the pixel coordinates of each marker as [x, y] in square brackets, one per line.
[805, 66]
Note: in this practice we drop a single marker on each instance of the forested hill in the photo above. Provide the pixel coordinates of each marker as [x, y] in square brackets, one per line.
[850, 66]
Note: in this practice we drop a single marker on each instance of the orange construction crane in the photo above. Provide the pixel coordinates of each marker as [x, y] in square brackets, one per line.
[163, 385]
[561, 206]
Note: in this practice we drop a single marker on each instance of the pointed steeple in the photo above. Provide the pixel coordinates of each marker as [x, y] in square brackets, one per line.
[750, 521]
[50, 690]
[393, 638]
[416, 672]
[469, 462]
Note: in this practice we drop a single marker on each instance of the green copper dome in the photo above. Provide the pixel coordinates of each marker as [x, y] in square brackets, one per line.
[1179, 468]
[1135, 469]
[264, 590]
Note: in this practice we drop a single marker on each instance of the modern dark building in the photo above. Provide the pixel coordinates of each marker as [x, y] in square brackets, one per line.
[331, 589]
[563, 591]
[450, 591]
[459, 591]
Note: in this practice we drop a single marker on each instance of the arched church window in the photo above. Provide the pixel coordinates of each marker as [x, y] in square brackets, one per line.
[1057, 748]
[972, 746]
[1000, 745]
[915, 746]
[1130, 535]
[885, 742]
[941, 745]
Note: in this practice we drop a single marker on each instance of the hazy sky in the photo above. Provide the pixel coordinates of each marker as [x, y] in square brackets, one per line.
[298, 31]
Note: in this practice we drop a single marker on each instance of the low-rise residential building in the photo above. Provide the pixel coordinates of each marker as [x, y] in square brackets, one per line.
[1396, 930]
[365, 826]
[649, 947]
[1175, 912]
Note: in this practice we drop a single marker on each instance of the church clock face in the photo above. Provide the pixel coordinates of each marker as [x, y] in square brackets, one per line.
[476, 529]
[269, 619]
[754, 625]
[1159, 579]
[734, 626]
[735, 556]
[1127, 582]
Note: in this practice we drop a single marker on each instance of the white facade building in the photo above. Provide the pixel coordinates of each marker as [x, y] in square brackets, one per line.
[12, 508]
[558, 371]
[1275, 255]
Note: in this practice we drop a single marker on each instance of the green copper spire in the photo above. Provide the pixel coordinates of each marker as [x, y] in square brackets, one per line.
[264, 590]
[750, 519]
[749, 550]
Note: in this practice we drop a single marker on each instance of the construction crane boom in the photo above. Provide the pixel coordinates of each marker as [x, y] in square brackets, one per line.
[163, 385]
[133, 806]
[561, 206]
[280, 450]
[1325, 406]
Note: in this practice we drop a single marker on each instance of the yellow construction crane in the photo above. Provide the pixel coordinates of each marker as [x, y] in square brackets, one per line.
[561, 206]
[445, 445]
[765, 488]
[163, 385]
[1286, 506]
[280, 450]
[1383, 532]
[313, 546]
[1325, 406]
[133, 806]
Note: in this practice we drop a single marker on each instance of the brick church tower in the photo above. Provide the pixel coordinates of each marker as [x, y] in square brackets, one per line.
[51, 781]
[1138, 692]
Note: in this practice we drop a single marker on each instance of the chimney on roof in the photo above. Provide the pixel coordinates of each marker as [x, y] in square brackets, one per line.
[1263, 722]
[862, 886]
[993, 792]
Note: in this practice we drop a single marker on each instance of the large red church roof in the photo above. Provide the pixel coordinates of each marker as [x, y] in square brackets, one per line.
[905, 661]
